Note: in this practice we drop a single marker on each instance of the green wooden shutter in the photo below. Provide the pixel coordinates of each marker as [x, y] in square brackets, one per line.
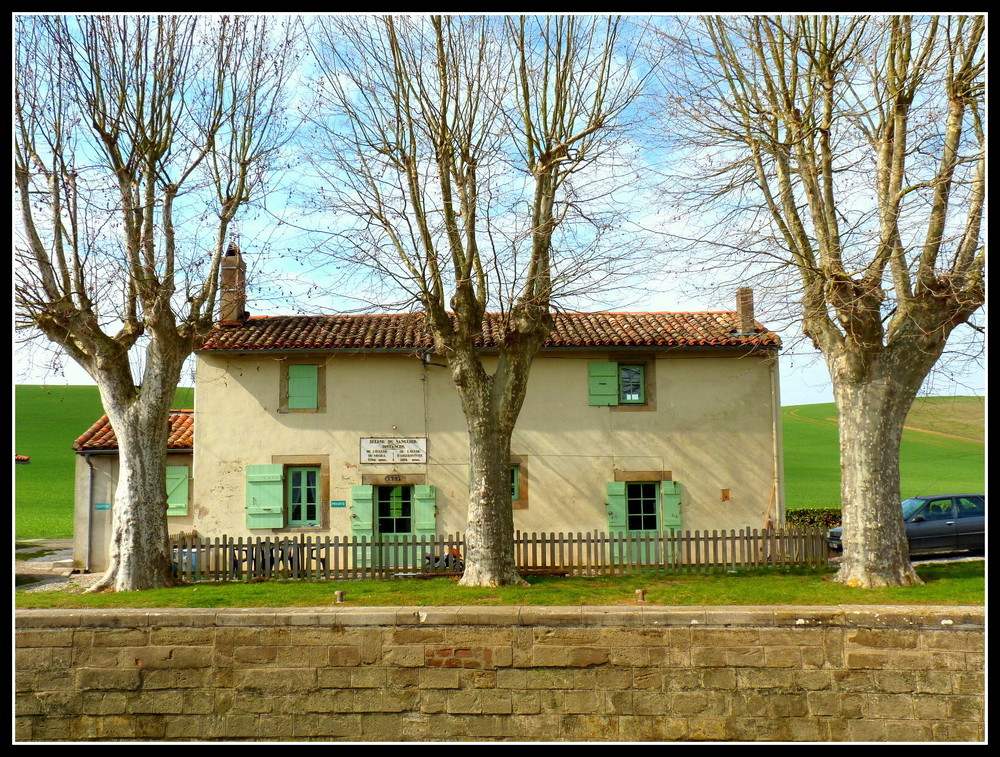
[670, 503]
[177, 490]
[617, 508]
[362, 508]
[265, 496]
[303, 382]
[425, 509]
[603, 383]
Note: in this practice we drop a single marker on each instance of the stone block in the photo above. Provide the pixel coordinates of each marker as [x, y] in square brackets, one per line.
[155, 702]
[112, 679]
[525, 702]
[368, 678]
[583, 702]
[439, 678]
[478, 679]
[706, 729]
[891, 638]
[588, 728]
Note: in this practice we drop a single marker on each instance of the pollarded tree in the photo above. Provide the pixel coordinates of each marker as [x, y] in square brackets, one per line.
[473, 162]
[848, 151]
[138, 140]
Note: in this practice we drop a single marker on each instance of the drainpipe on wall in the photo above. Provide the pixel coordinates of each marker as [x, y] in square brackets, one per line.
[777, 445]
[90, 512]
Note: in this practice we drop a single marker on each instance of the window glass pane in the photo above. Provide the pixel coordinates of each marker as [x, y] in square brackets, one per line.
[303, 496]
[395, 510]
[641, 503]
[971, 507]
[939, 509]
[630, 383]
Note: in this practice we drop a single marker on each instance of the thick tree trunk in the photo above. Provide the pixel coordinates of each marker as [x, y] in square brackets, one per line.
[489, 540]
[872, 415]
[139, 549]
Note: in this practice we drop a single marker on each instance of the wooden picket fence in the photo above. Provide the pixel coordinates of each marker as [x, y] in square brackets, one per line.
[198, 558]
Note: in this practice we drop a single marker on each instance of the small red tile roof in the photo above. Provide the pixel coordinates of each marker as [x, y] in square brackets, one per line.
[406, 331]
[101, 436]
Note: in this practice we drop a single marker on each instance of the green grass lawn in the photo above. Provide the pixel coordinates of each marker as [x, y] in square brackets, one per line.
[930, 462]
[47, 420]
[955, 583]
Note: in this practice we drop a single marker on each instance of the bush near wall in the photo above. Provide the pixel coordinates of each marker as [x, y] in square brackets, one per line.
[818, 517]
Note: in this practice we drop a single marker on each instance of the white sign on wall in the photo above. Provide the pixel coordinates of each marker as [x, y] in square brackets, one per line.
[393, 449]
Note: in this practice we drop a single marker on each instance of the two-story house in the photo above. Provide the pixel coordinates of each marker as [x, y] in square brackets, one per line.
[350, 424]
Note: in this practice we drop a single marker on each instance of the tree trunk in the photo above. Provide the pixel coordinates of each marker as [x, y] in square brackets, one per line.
[139, 547]
[489, 540]
[872, 414]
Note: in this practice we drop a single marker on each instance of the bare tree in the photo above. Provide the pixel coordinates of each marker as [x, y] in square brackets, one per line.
[475, 166]
[138, 140]
[847, 153]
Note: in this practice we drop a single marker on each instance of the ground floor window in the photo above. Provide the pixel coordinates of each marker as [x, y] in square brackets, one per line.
[302, 496]
[394, 505]
[641, 500]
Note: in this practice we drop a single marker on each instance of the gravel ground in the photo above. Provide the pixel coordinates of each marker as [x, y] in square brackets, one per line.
[52, 572]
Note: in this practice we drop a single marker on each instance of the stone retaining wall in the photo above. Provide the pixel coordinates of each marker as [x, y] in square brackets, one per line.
[503, 673]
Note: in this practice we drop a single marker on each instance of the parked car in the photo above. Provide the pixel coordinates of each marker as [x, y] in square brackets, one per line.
[940, 523]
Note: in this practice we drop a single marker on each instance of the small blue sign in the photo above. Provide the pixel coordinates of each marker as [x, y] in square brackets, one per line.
[338, 503]
[102, 506]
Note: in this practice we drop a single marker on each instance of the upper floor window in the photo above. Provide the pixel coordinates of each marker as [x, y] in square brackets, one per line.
[303, 388]
[632, 384]
[612, 383]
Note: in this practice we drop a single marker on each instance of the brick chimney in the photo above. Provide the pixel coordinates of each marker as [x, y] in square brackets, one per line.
[744, 311]
[232, 288]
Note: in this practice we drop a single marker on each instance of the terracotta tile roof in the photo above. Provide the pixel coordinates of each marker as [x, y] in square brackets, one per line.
[101, 436]
[406, 331]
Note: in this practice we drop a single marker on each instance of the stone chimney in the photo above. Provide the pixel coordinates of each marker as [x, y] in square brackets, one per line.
[744, 311]
[232, 288]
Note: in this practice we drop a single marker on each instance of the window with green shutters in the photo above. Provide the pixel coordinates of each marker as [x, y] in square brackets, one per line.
[279, 496]
[611, 383]
[177, 489]
[643, 505]
[375, 508]
[303, 387]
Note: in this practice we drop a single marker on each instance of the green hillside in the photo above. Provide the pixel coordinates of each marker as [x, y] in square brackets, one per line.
[942, 452]
[47, 420]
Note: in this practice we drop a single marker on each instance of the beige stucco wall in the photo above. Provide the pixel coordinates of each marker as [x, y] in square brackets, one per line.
[96, 479]
[712, 423]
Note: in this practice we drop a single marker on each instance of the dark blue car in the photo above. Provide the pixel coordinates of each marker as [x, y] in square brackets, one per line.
[940, 523]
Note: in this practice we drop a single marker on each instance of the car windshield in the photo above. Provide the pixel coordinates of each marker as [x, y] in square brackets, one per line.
[910, 506]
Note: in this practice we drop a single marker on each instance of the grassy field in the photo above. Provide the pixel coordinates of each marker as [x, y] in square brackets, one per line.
[47, 420]
[943, 452]
[956, 583]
